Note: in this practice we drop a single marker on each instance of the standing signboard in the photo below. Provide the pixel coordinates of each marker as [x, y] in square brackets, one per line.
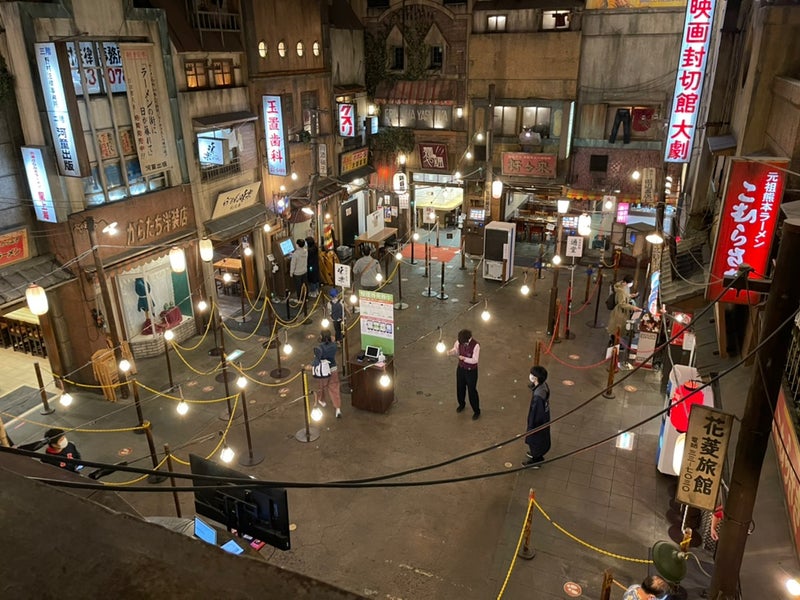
[377, 320]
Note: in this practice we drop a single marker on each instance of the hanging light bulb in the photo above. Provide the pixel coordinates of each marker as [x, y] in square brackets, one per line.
[415, 237]
[654, 237]
[182, 407]
[65, 400]
[124, 365]
[37, 299]
[206, 250]
[793, 586]
[584, 224]
[294, 176]
[316, 414]
[282, 188]
[227, 453]
[440, 346]
[385, 380]
[169, 335]
[457, 175]
[307, 210]
[248, 251]
[325, 323]
[379, 277]
[468, 155]
[177, 260]
[267, 227]
[241, 382]
[202, 306]
[226, 277]
[479, 136]
[525, 290]
[636, 175]
[557, 260]
[353, 298]
[398, 255]
[287, 347]
[327, 216]
[486, 315]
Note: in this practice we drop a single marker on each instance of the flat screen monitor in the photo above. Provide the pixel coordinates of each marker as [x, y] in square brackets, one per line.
[372, 353]
[477, 214]
[205, 532]
[287, 246]
[261, 512]
[232, 547]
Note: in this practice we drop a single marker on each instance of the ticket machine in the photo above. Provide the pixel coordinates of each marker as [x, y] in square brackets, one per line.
[283, 248]
[498, 250]
[472, 231]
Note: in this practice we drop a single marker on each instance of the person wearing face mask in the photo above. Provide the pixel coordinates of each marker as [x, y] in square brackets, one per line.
[623, 308]
[59, 447]
[652, 588]
[538, 415]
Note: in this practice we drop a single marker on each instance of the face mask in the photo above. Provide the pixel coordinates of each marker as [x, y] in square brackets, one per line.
[62, 443]
[533, 379]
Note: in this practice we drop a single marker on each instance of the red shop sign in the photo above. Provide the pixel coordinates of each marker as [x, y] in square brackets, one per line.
[747, 224]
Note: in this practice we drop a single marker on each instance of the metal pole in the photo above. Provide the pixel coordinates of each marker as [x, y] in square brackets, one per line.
[252, 458]
[541, 257]
[537, 353]
[425, 274]
[527, 551]
[153, 457]
[308, 433]
[754, 433]
[224, 364]
[588, 285]
[568, 335]
[551, 315]
[608, 581]
[400, 305]
[442, 295]
[463, 266]
[594, 324]
[105, 294]
[169, 364]
[279, 372]
[437, 231]
[474, 299]
[612, 367]
[172, 480]
[46, 410]
[137, 404]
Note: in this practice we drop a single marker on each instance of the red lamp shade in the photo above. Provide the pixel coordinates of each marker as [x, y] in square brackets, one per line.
[679, 413]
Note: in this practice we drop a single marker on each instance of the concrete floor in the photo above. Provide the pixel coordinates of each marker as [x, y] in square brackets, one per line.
[449, 540]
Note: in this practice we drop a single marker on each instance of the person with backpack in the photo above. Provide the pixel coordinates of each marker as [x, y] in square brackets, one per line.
[324, 370]
[337, 314]
[623, 308]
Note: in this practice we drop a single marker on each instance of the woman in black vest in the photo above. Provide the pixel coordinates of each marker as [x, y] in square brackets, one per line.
[468, 351]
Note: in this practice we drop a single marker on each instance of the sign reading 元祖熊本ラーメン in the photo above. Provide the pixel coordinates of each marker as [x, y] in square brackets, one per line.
[145, 97]
[747, 224]
[703, 457]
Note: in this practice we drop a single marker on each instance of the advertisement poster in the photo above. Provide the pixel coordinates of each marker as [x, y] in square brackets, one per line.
[377, 320]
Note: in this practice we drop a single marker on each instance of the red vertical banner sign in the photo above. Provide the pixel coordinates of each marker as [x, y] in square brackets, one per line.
[747, 224]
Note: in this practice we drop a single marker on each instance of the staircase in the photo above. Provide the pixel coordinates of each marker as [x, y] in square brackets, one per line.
[687, 261]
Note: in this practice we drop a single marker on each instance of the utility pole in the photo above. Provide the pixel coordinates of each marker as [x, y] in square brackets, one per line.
[782, 302]
[312, 185]
[489, 120]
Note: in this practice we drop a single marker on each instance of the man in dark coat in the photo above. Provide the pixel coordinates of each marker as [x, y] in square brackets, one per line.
[538, 415]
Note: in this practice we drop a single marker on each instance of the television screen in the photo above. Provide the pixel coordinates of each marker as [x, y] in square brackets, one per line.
[477, 214]
[287, 246]
[261, 512]
[205, 532]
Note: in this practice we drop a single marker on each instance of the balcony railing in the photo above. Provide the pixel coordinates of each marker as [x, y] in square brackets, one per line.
[216, 20]
[220, 171]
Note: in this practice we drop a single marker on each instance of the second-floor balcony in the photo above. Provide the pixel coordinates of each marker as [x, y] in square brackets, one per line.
[212, 19]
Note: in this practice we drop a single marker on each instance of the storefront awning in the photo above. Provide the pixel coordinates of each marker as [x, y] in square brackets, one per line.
[424, 91]
[359, 173]
[235, 224]
[223, 120]
[44, 270]
[575, 194]
[326, 187]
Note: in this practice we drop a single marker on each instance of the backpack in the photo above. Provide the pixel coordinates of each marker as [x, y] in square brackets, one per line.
[321, 368]
[611, 301]
[337, 311]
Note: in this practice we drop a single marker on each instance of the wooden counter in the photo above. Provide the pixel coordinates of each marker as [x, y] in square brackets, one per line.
[367, 391]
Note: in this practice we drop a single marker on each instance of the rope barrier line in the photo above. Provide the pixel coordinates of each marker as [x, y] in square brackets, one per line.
[254, 307]
[615, 582]
[353, 324]
[589, 299]
[179, 399]
[587, 544]
[67, 428]
[221, 438]
[266, 384]
[516, 550]
[572, 366]
[200, 341]
[191, 368]
[138, 479]
[255, 329]
[273, 334]
[555, 330]
[92, 387]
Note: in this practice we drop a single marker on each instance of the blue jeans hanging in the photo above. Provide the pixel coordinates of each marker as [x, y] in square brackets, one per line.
[623, 116]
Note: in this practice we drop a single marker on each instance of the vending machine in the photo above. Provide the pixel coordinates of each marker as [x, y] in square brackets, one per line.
[498, 250]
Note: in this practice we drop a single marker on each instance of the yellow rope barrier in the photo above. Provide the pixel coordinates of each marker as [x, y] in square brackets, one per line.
[273, 334]
[67, 428]
[221, 438]
[255, 329]
[90, 386]
[197, 345]
[516, 550]
[138, 479]
[191, 368]
[265, 384]
[587, 544]
[179, 399]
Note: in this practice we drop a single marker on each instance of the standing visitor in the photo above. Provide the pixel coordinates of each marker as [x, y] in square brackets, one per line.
[298, 267]
[313, 267]
[326, 373]
[623, 308]
[468, 350]
[538, 415]
[337, 313]
[367, 269]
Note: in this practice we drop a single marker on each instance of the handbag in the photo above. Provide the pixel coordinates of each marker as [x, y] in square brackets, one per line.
[321, 368]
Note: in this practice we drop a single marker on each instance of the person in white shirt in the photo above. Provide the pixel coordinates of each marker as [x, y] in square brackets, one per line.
[367, 270]
[298, 267]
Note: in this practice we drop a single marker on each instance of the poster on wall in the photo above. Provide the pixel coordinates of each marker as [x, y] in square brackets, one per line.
[41, 194]
[13, 247]
[747, 224]
[433, 157]
[377, 320]
[145, 99]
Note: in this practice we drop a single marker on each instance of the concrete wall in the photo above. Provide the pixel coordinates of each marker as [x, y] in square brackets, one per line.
[629, 55]
[347, 56]
[783, 126]
[525, 65]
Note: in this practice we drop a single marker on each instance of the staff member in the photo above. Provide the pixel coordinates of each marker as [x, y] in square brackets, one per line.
[468, 351]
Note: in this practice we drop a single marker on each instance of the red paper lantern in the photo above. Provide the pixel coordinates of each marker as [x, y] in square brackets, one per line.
[679, 413]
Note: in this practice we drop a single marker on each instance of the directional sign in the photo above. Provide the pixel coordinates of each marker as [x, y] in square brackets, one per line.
[575, 245]
[342, 275]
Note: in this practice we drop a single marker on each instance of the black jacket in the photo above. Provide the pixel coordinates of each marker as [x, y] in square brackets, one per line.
[539, 414]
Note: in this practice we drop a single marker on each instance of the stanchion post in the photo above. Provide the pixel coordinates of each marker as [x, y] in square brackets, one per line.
[541, 260]
[608, 581]
[288, 308]
[527, 551]
[442, 295]
[474, 299]
[594, 324]
[400, 305]
[425, 273]
[463, 266]
[588, 285]
[551, 313]
[172, 480]
[279, 372]
[137, 403]
[153, 478]
[305, 305]
[612, 367]
[223, 361]
[537, 353]
[557, 324]
[504, 271]
[308, 433]
[252, 458]
[46, 409]
[437, 232]
[568, 335]
[167, 339]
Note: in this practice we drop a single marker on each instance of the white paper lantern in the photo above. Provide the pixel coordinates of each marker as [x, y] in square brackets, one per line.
[37, 299]
[177, 259]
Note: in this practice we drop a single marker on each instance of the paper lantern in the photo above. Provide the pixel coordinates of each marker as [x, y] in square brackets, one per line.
[679, 413]
[37, 299]
[206, 250]
[497, 189]
[177, 259]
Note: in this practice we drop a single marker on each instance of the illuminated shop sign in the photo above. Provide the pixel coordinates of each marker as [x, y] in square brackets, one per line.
[347, 120]
[276, 140]
[689, 81]
[69, 144]
[93, 65]
[747, 224]
[40, 187]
